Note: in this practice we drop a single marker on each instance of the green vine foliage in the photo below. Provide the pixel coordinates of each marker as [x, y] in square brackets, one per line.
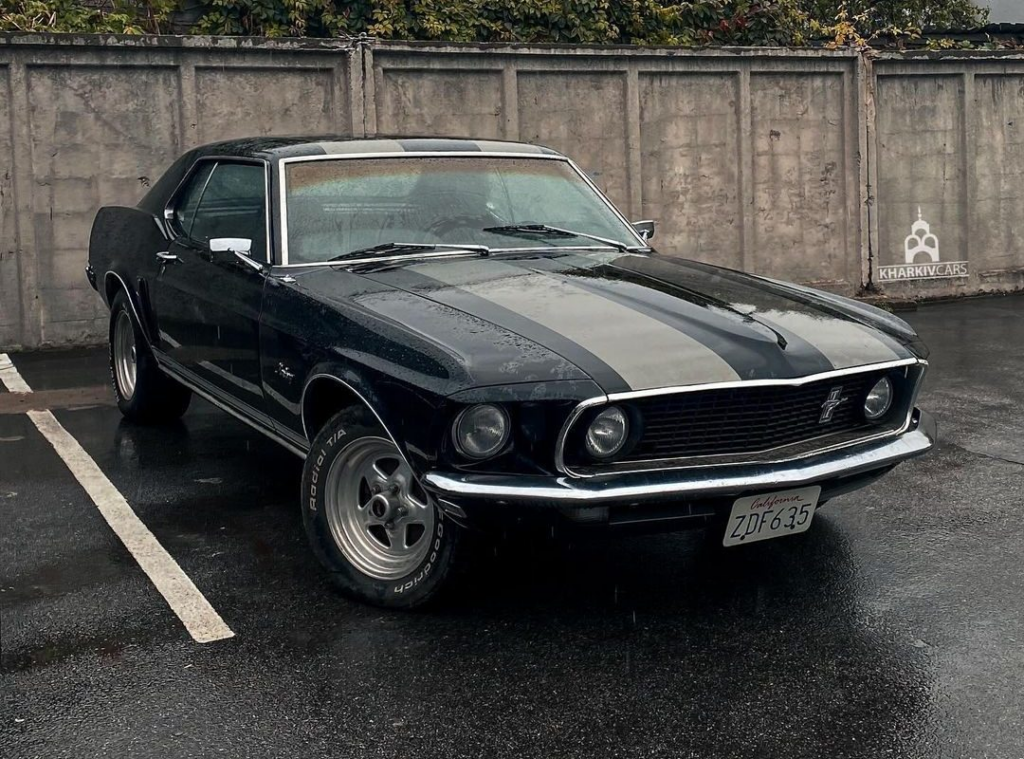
[116, 17]
[860, 22]
[644, 22]
[640, 22]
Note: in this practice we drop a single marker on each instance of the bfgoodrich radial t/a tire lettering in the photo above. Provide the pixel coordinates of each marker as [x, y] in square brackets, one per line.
[369, 521]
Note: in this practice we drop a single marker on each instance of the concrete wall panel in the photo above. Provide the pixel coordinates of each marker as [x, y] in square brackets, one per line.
[584, 116]
[447, 103]
[998, 177]
[690, 161]
[799, 180]
[99, 136]
[669, 135]
[921, 163]
[10, 296]
[245, 101]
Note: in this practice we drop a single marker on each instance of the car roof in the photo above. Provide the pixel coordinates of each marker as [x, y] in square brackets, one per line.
[275, 148]
[289, 147]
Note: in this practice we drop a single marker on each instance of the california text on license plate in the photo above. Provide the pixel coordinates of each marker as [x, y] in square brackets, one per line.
[759, 517]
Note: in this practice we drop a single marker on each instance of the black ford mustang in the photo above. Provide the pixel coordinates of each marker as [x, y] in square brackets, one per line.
[449, 331]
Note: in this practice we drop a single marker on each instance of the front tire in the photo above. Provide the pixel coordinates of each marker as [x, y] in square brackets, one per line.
[144, 393]
[379, 534]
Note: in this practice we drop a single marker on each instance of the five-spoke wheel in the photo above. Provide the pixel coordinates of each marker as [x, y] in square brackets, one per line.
[379, 515]
[380, 535]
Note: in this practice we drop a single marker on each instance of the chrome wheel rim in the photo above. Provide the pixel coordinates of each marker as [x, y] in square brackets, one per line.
[124, 355]
[380, 518]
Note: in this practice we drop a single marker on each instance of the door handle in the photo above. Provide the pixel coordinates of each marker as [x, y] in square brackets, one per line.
[168, 257]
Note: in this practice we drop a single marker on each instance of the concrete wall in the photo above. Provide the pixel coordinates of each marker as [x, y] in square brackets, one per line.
[807, 165]
[93, 121]
[1005, 11]
[949, 144]
[747, 160]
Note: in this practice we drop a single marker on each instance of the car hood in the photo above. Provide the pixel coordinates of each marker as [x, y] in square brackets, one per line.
[642, 321]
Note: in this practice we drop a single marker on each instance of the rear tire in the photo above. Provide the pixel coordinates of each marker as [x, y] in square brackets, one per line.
[379, 534]
[144, 394]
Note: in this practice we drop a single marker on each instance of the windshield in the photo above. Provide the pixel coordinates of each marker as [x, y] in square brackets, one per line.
[337, 206]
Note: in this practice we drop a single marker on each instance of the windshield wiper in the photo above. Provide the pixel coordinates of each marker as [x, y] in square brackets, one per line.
[407, 247]
[545, 230]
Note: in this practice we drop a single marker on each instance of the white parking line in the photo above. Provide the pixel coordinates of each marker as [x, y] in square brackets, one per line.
[9, 376]
[195, 612]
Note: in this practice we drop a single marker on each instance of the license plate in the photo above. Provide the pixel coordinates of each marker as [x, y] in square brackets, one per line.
[760, 517]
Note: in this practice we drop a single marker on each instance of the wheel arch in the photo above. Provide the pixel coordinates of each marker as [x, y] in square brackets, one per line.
[112, 283]
[324, 395]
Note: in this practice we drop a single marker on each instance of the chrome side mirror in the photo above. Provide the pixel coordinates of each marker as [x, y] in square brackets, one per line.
[240, 246]
[645, 229]
[230, 245]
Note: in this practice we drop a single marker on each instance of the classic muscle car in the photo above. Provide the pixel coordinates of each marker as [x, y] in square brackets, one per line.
[456, 332]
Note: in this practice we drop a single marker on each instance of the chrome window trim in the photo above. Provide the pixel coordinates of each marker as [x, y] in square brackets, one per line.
[216, 160]
[283, 163]
[199, 201]
[268, 251]
[629, 225]
[679, 463]
[185, 178]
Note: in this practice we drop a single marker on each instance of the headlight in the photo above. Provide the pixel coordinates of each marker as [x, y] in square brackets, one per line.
[481, 431]
[607, 433]
[879, 400]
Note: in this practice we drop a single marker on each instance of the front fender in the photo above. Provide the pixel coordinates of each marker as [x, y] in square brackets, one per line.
[408, 414]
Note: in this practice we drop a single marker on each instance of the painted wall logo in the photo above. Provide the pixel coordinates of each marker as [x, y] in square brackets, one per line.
[921, 257]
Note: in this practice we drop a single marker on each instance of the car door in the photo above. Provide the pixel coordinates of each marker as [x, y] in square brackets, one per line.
[207, 297]
[175, 291]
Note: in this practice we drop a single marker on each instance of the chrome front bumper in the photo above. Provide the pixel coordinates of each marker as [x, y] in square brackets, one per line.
[686, 484]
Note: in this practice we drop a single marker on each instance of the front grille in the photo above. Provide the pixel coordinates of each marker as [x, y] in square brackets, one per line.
[747, 419]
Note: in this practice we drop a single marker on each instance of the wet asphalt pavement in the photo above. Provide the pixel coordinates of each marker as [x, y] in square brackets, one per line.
[893, 628]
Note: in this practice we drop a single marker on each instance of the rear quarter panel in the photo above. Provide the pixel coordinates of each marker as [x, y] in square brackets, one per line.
[124, 242]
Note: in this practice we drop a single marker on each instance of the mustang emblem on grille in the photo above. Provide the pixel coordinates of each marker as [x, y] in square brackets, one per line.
[828, 408]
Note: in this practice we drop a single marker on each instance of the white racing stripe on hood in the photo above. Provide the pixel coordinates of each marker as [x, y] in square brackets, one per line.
[843, 343]
[645, 352]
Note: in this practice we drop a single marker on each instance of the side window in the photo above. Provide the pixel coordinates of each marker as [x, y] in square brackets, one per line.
[188, 201]
[233, 205]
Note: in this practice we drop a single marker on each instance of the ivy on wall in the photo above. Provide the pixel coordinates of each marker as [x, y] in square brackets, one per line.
[643, 22]
[117, 16]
